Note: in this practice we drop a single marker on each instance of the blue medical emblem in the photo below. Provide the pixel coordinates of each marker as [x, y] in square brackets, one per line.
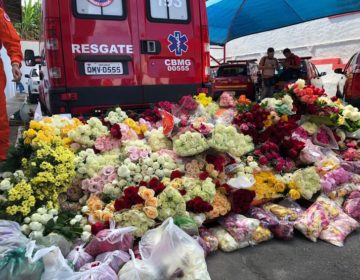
[101, 3]
[178, 43]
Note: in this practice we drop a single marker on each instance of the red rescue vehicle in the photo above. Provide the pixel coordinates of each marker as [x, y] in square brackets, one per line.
[98, 54]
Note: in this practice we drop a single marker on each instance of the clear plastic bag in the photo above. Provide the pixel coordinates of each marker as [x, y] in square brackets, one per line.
[174, 253]
[226, 242]
[339, 229]
[57, 268]
[325, 137]
[351, 166]
[138, 270]
[78, 257]
[11, 237]
[240, 227]
[280, 229]
[111, 239]
[261, 234]
[115, 259]
[317, 217]
[54, 239]
[281, 212]
[211, 242]
[311, 153]
[352, 205]
[95, 268]
[187, 224]
[15, 265]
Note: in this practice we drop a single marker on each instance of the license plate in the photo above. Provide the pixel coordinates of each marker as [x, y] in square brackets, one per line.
[101, 68]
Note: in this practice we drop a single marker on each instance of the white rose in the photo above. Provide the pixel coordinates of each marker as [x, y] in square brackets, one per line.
[36, 217]
[42, 210]
[123, 171]
[5, 185]
[78, 218]
[53, 212]
[35, 226]
[7, 174]
[45, 218]
[85, 236]
[25, 229]
[73, 222]
[87, 228]
[159, 173]
[27, 220]
[85, 209]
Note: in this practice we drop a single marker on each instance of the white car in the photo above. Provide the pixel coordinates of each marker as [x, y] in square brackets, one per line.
[33, 85]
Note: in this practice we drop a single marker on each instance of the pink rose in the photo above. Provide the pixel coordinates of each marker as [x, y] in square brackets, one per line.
[143, 154]
[85, 184]
[112, 177]
[107, 171]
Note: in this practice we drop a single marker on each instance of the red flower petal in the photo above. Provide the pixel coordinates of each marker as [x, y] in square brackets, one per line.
[176, 174]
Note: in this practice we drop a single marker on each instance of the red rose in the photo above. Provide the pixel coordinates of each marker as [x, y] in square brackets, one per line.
[198, 205]
[176, 174]
[263, 160]
[121, 204]
[203, 176]
[116, 131]
[241, 200]
[154, 182]
[143, 184]
[156, 185]
[97, 227]
[182, 192]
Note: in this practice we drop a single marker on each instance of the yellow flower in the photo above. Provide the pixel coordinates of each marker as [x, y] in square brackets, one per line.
[292, 185]
[294, 194]
[151, 212]
[279, 187]
[285, 118]
[341, 120]
[267, 123]
[203, 99]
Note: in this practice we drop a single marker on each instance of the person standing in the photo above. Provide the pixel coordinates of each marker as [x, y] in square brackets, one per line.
[292, 66]
[268, 65]
[11, 41]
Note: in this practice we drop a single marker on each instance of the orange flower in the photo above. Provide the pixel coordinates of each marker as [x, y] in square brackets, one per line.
[94, 203]
[146, 193]
[153, 201]
[221, 206]
[244, 100]
[151, 212]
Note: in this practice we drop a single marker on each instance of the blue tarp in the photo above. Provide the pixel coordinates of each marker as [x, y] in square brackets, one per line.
[231, 19]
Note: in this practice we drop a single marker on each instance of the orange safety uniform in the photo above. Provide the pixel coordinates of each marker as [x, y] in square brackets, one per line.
[11, 41]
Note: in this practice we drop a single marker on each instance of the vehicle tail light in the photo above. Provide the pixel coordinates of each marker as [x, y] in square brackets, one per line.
[54, 54]
[206, 53]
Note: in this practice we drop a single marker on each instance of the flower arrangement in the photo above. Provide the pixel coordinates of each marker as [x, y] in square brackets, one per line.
[227, 100]
[307, 182]
[158, 141]
[135, 218]
[267, 186]
[86, 135]
[106, 143]
[227, 139]
[190, 144]
[203, 99]
[116, 116]
[171, 203]
[39, 133]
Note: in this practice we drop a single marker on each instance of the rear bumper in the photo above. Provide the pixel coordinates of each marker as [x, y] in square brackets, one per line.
[353, 101]
[100, 98]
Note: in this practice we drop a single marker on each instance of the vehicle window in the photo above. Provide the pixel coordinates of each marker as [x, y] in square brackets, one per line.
[232, 71]
[358, 59]
[34, 73]
[316, 71]
[102, 8]
[169, 10]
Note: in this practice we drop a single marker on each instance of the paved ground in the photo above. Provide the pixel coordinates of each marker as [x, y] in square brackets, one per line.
[299, 259]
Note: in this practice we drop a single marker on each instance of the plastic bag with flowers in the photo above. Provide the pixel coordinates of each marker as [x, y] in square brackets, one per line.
[134, 218]
[307, 182]
[210, 243]
[174, 253]
[226, 242]
[317, 217]
[78, 257]
[352, 205]
[110, 240]
[115, 259]
[240, 227]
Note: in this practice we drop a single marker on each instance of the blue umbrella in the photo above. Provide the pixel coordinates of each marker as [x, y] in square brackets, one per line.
[231, 19]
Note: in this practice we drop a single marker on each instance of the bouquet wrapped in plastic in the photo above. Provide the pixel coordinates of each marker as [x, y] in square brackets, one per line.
[333, 179]
[339, 229]
[226, 242]
[115, 259]
[173, 253]
[240, 227]
[187, 224]
[352, 205]
[261, 234]
[111, 239]
[211, 243]
[281, 212]
[317, 217]
[311, 153]
[280, 229]
[78, 257]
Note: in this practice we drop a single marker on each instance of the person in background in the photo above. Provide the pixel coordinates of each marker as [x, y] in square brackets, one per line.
[268, 65]
[292, 67]
[11, 41]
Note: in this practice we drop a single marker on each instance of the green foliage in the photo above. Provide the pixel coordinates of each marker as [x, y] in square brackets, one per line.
[29, 28]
